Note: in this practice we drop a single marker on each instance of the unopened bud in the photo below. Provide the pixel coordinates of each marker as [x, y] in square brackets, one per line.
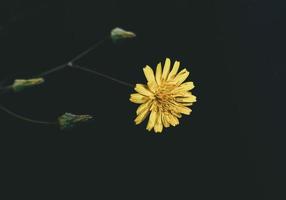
[68, 121]
[21, 84]
[120, 34]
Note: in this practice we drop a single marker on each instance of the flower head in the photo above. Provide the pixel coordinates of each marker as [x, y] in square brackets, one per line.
[165, 97]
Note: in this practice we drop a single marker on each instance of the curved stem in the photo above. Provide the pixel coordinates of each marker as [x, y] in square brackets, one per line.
[102, 75]
[25, 118]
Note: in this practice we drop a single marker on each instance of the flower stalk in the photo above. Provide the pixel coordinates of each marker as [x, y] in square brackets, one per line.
[68, 120]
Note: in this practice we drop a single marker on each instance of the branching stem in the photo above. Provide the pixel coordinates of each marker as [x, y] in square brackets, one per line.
[73, 60]
[70, 64]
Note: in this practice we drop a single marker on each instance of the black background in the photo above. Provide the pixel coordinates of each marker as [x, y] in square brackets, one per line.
[231, 147]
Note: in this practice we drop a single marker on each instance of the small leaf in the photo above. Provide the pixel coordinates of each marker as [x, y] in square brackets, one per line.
[120, 34]
[21, 84]
[68, 120]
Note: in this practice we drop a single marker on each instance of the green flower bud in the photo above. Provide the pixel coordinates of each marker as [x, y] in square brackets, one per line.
[120, 34]
[68, 121]
[21, 84]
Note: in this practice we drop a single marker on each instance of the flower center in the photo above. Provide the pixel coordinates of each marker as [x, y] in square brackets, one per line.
[164, 95]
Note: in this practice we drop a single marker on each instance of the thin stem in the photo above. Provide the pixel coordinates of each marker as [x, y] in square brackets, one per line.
[74, 59]
[25, 118]
[52, 70]
[91, 48]
[102, 75]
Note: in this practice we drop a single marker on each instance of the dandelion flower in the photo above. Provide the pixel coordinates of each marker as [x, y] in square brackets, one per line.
[165, 97]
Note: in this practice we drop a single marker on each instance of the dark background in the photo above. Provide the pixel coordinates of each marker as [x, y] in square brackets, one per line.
[231, 147]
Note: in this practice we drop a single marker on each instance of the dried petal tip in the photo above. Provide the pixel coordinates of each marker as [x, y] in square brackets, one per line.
[120, 34]
[21, 84]
[68, 121]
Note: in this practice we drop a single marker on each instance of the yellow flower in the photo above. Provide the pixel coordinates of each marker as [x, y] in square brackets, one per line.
[165, 97]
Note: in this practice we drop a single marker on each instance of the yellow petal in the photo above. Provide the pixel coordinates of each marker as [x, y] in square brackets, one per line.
[174, 71]
[152, 86]
[158, 128]
[181, 77]
[138, 98]
[187, 94]
[182, 94]
[149, 74]
[187, 104]
[176, 114]
[153, 106]
[165, 122]
[152, 120]
[172, 120]
[166, 69]
[140, 118]
[185, 86]
[183, 109]
[159, 73]
[142, 89]
[143, 107]
[187, 99]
